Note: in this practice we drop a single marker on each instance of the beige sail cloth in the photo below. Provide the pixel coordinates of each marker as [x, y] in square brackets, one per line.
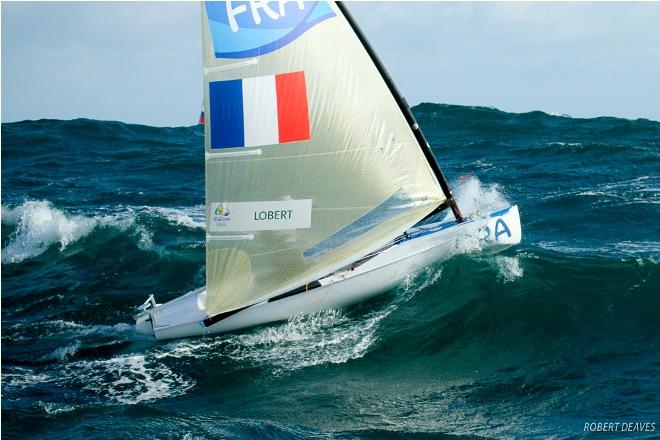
[362, 169]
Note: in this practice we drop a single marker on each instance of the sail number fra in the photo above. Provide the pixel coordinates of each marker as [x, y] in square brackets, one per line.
[255, 6]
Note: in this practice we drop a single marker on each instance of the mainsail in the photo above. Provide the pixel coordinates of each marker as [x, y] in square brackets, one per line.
[311, 163]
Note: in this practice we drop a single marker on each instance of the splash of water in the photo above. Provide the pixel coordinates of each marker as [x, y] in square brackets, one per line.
[326, 337]
[475, 197]
[39, 225]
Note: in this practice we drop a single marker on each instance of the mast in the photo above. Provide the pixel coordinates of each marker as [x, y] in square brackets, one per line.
[405, 109]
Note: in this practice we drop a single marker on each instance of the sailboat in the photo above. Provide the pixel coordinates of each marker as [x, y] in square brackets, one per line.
[321, 188]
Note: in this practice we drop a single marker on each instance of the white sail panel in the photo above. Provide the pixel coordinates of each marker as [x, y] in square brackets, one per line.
[260, 111]
[310, 163]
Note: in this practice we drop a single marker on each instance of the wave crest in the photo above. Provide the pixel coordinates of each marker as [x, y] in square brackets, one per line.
[39, 225]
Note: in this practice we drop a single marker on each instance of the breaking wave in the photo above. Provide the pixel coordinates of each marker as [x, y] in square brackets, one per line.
[37, 226]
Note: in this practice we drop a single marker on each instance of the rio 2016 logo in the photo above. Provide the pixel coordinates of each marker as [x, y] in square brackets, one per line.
[244, 29]
[222, 214]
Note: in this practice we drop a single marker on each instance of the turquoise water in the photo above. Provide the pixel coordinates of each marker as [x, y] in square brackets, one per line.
[534, 342]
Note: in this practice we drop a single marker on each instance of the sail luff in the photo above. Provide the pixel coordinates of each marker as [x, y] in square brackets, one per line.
[405, 109]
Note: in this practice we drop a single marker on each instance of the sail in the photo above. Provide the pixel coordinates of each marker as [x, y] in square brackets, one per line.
[310, 161]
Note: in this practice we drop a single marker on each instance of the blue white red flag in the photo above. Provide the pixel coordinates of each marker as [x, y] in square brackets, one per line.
[263, 110]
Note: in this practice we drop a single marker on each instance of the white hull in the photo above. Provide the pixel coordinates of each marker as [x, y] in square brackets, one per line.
[184, 316]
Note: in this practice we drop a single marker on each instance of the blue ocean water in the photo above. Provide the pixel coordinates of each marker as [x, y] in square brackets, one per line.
[533, 342]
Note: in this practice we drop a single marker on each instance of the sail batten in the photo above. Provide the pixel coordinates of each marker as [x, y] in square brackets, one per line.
[339, 171]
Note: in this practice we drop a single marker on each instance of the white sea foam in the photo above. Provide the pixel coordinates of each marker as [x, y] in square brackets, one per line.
[191, 217]
[302, 341]
[568, 248]
[635, 248]
[649, 260]
[509, 268]
[22, 377]
[62, 330]
[649, 249]
[127, 379]
[53, 408]
[191, 436]
[479, 164]
[567, 144]
[39, 225]
[418, 281]
[469, 241]
[145, 238]
[639, 190]
[62, 353]
[306, 340]
[326, 337]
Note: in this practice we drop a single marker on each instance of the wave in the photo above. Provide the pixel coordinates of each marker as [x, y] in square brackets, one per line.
[637, 190]
[54, 408]
[642, 251]
[96, 215]
[509, 268]
[192, 217]
[18, 377]
[477, 120]
[127, 379]
[326, 337]
[60, 330]
[38, 226]
[63, 353]
[43, 130]
[122, 378]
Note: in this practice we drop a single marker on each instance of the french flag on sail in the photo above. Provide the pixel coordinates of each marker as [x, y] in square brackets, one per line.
[263, 110]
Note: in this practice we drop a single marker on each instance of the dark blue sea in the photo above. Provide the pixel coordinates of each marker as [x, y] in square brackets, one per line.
[534, 342]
